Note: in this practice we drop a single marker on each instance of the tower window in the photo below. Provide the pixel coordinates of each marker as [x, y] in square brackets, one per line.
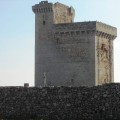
[43, 22]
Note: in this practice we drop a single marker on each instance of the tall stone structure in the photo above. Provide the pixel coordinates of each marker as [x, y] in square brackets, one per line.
[69, 53]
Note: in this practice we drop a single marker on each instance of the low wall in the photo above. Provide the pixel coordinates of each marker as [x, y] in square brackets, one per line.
[61, 103]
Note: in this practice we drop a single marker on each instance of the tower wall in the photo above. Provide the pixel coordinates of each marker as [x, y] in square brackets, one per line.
[43, 24]
[71, 54]
[63, 13]
[75, 51]
[105, 35]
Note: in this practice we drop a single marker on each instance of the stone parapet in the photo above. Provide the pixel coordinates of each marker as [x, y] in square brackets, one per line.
[106, 31]
[100, 29]
[42, 7]
[76, 25]
[105, 35]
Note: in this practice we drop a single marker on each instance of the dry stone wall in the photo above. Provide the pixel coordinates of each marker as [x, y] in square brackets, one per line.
[60, 103]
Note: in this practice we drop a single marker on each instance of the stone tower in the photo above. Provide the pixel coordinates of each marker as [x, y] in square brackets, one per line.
[68, 53]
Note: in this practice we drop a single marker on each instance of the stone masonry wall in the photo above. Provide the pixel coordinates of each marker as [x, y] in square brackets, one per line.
[105, 35]
[74, 51]
[63, 13]
[60, 103]
[66, 53]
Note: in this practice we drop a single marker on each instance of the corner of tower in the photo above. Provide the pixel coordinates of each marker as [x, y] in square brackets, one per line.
[43, 13]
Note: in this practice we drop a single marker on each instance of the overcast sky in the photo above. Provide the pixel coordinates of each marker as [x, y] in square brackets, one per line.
[17, 35]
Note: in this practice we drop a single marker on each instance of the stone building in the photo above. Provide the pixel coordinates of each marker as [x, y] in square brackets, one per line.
[69, 53]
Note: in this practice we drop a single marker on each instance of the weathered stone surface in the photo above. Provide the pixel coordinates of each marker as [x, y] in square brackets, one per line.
[68, 52]
[61, 103]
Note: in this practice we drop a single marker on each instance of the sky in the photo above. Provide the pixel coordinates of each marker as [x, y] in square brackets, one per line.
[17, 35]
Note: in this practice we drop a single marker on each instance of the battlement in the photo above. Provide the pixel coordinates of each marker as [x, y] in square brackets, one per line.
[43, 2]
[106, 30]
[79, 28]
[61, 12]
[42, 7]
[76, 25]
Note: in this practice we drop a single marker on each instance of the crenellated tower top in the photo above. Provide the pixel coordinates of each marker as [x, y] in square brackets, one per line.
[69, 53]
[61, 12]
[42, 7]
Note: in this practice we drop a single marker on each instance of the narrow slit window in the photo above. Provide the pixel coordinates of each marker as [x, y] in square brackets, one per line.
[43, 22]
